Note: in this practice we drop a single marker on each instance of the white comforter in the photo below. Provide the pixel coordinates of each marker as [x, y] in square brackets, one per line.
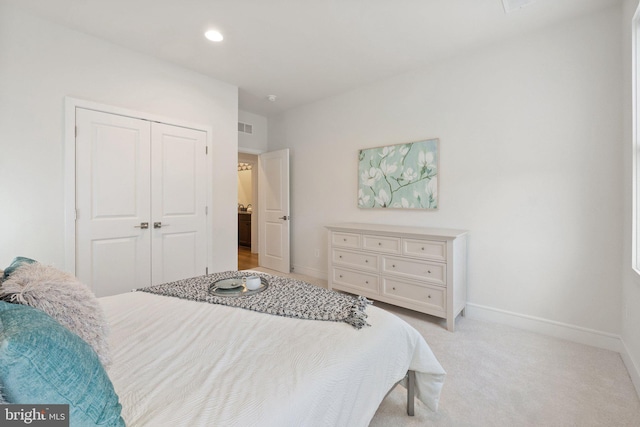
[185, 363]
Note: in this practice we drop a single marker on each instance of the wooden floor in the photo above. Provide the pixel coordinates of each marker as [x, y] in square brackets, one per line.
[246, 259]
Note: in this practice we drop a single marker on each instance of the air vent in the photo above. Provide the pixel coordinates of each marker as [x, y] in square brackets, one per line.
[512, 5]
[245, 128]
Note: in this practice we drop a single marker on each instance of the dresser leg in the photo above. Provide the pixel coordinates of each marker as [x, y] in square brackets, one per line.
[451, 323]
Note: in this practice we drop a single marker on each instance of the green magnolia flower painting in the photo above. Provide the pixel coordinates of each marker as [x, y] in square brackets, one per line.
[399, 176]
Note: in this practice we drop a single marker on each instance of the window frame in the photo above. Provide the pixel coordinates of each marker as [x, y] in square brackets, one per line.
[635, 83]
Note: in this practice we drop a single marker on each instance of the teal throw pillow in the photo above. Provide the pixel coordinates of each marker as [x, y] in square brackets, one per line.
[17, 262]
[42, 362]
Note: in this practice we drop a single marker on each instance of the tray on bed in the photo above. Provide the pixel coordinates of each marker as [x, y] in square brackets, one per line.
[226, 288]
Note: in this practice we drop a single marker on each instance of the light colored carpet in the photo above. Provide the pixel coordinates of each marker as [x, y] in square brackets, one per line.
[502, 376]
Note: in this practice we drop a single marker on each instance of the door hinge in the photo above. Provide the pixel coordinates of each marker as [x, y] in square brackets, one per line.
[75, 214]
[76, 131]
[206, 210]
[206, 270]
[206, 149]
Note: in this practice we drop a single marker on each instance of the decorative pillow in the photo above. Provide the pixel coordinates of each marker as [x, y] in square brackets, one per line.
[17, 262]
[42, 362]
[63, 297]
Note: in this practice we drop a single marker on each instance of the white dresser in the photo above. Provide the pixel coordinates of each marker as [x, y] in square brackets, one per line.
[423, 269]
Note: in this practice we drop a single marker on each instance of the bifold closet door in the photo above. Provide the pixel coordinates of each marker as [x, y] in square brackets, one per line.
[113, 201]
[140, 202]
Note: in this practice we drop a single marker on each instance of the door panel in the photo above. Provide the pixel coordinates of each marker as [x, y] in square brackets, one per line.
[112, 198]
[115, 172]
[273, 193]
[273, 237]
[114, 276]
[179, 202]
[179, 175]
[180, 252]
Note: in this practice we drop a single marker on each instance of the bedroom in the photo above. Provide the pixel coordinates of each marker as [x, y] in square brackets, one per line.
[535, 133]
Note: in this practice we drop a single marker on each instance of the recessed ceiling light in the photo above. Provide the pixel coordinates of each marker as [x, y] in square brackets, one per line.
[214, 36]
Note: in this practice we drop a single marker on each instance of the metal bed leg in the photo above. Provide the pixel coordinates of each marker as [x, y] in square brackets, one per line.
[411, 392]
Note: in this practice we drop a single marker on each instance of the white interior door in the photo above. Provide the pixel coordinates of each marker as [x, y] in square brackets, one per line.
[274, 219]
[179, 194]
[113, 252]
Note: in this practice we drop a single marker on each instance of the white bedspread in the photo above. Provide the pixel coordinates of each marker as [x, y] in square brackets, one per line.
[185, 363]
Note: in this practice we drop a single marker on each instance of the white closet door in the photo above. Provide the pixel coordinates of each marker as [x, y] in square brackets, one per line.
[179, 194]
[113, 251]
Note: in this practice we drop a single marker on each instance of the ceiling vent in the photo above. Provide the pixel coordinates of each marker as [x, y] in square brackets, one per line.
[245, 128]
[512, 5]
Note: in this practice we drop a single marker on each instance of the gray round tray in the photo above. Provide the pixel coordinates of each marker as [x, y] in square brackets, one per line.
[239, 291]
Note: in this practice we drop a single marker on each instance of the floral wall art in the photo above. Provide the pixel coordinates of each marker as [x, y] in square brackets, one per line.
[399, 176]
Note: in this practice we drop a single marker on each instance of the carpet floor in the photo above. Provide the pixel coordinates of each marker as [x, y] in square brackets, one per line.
[498, 375]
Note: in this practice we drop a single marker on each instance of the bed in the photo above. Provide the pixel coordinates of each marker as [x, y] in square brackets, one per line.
[219, 365]
[178, 362]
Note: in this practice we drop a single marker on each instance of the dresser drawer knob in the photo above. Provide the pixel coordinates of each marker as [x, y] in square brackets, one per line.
[344, 240]
[366, 260]
[393, 266]
[423, 249]
[394, 288]
[341, 276]
[340, 256]
[379, 243]
[366, 281]
[429, 296]
[429, 271]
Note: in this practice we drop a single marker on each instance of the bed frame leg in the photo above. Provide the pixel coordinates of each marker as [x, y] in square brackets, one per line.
[411, 392]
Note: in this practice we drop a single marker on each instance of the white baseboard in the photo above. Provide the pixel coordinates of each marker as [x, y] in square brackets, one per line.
[547, 327]
[308, 271]
[632, 368]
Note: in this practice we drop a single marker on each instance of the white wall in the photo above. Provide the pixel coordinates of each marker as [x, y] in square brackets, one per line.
[41, 63]
[256, 142]
[631, 280]
[531, 148]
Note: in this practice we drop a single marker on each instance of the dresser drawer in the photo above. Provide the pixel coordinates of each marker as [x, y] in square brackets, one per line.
[421, 270]
[355, 259]
[388, 245]
[355, 279]
[432, 296]
[427, 249]
[345, 240]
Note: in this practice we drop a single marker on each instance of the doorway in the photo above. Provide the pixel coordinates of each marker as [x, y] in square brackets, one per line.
[247, 211]
[246, 259]
[270, 215]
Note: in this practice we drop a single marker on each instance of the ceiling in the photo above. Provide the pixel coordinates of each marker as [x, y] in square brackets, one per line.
[303, 50]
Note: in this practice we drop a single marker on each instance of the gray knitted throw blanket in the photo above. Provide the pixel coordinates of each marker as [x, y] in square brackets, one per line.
[284, 297]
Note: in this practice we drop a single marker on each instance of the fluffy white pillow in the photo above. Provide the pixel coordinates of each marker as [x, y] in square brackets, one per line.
[63, 297]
